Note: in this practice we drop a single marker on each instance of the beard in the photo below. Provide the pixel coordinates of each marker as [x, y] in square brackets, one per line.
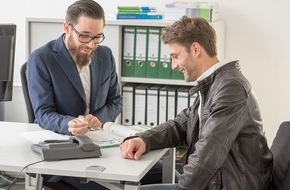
[81, 59]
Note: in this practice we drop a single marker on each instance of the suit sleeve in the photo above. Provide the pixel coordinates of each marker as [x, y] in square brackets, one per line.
[42, 98]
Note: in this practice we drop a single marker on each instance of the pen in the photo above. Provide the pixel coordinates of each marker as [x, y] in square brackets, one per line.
[79, 121]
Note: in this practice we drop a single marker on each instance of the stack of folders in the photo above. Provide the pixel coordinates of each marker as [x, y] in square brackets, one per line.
[177, 9]
[152, 104]
[136, 12]
[145, 55]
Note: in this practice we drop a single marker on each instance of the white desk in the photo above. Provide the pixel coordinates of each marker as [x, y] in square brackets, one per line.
[16, 153]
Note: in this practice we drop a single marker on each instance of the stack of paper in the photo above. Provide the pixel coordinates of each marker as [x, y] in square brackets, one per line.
[136, 12]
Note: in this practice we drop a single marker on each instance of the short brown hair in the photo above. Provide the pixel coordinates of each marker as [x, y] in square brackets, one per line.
[88, 8]
[188, 30]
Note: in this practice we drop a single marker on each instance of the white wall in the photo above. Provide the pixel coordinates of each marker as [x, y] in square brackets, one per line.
[257, 33]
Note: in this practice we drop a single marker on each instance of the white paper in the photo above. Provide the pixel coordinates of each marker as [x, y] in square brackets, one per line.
[40, 136]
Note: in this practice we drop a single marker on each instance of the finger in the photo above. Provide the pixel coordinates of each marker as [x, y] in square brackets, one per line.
[138, 154]
[97, 125]
[89, 118]
[125, 151]
[130, 150]
[79, 122]
[80, 130]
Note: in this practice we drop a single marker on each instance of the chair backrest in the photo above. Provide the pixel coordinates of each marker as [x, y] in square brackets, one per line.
[29, 108]
[281, 153]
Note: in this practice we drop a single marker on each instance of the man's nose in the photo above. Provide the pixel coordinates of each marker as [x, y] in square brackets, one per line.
[91, 44]
[174, 65]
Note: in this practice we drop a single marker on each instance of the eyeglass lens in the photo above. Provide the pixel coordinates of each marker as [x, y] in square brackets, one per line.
[86, 38]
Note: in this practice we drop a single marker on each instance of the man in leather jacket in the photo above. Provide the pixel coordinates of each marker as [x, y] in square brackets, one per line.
[222, 130]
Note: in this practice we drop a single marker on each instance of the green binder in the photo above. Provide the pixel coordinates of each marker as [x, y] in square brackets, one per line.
[128, 51]
[164, 62]
[153, 52]
[140, 52]
[177, 75]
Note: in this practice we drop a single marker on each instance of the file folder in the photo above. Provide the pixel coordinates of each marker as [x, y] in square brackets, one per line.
[140, 52]
[171, 101]
[177, 75]
[153, 52]
[183, 98]
[127, 67]
[162, 106]
[128, 93]
[152, 105]
[140, 104]
[164, 62]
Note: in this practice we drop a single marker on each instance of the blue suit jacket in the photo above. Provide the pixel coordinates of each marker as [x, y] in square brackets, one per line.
[56, 91]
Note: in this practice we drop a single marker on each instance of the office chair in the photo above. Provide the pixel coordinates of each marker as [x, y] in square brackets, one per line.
[281, 153]
[29, 109]
[61, 185]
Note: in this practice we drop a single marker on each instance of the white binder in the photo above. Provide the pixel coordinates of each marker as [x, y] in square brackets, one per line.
[128, 99]
[183, 98]
[140, 104]
[162, 105]
[152, 105]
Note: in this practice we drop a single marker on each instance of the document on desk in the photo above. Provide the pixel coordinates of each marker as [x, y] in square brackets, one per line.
[112, 134]
[40, 136]
[102, 138]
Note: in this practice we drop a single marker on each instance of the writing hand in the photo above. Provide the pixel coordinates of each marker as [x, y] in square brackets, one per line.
[78, 126]
[93, 121]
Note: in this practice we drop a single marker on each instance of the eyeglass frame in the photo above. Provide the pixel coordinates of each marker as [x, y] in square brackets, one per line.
[88, 36]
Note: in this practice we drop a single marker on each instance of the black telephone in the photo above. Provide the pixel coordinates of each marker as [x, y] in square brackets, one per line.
[74, 148]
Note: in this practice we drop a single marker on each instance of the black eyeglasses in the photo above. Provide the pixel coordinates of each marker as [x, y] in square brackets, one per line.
[86, 38]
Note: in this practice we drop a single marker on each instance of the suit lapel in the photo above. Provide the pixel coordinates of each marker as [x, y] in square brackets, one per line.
[65, 61]
[96, 74]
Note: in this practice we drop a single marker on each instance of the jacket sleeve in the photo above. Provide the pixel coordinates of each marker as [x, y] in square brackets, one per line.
[169, 134]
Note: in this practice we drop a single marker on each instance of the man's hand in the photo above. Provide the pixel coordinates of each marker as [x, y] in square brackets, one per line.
[93, 121]
[133, 148]
[78, 126]
[83, 124]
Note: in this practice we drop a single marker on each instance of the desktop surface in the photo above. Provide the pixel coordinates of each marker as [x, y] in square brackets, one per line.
[17, 153]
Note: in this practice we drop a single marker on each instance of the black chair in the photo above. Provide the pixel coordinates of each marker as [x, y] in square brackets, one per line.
[61, 185]
[281, 153]
[29, 108]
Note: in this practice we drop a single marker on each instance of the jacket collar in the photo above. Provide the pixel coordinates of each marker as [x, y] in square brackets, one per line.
[206, 82]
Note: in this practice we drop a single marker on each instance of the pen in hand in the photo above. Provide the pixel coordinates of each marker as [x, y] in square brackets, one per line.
[88, 127]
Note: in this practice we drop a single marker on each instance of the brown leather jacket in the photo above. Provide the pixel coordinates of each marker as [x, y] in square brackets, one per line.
[227, 149]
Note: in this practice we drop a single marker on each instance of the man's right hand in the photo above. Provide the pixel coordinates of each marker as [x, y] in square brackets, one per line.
[133, 148]
[78, 126]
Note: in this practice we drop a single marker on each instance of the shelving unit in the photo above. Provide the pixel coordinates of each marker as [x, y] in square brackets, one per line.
[41, 30]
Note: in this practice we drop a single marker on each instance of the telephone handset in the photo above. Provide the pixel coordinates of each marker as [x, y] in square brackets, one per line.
[74, 148]
[84, 142]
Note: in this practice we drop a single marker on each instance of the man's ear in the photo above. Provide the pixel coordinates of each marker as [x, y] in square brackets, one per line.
[195, 48]
[66, 27]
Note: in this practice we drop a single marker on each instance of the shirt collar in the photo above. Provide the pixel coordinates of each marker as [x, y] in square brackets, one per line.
[211, 70]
